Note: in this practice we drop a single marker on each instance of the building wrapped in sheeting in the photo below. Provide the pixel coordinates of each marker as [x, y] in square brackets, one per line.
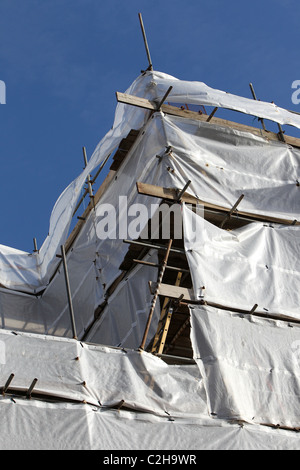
[174, 321]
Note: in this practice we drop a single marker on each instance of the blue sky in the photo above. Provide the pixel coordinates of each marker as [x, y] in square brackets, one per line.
[63, 60]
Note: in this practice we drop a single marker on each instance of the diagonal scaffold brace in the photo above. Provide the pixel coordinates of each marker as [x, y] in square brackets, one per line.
[232, 210]
[161, 274]
[69, 294]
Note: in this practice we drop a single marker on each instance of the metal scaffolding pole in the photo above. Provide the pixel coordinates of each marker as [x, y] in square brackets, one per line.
[63, 254]
[146, 42]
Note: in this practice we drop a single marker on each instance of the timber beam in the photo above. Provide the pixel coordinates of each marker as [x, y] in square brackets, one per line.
[185, 113]
[171, 194]
[187, 297]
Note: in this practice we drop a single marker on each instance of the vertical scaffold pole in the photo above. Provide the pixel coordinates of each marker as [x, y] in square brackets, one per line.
[63, 254]
[35, 250]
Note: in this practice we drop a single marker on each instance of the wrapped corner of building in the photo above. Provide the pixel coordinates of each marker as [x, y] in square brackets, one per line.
[187, 313]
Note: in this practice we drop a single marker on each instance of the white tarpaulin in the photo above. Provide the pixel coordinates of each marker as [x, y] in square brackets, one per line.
[201, 94]
[256, 264]
[123, 321]
[48, 312]
[68, 369]
[250, 366]
[219, 163]
[165, 407]
[64, 426]
[93, 262]
[222, 164]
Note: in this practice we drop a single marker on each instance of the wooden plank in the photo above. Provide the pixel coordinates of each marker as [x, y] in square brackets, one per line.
[172, 292]
[162, 333]
[164, 193]
[171, 194]
[185, 113]
[135, 101]
[165, 331]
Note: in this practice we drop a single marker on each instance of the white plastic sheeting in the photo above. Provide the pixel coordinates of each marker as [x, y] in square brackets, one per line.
[217, 171]
[168, 403]
[222, 164]
[68, 369]
[63, 426]
[256, 264]
[49, 313]
[123, 321]
[140, 165]
[93, 263]
[193, 92]
[250, 366]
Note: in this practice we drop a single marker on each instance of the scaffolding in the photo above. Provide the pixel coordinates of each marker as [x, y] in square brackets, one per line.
[189, 338]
